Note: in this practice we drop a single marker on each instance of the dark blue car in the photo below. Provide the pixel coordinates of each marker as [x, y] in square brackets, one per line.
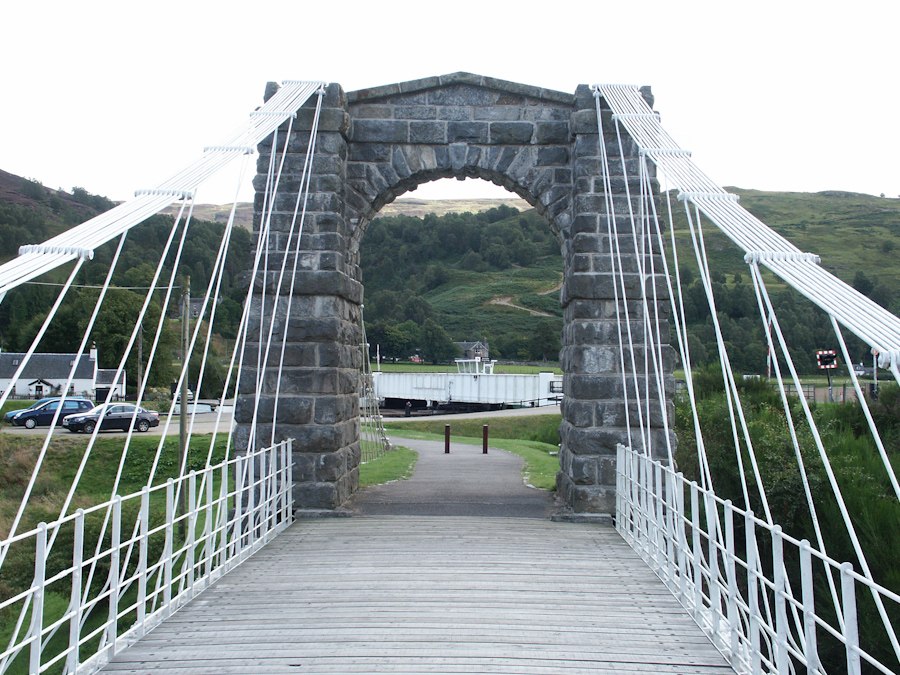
[42, 414]
[13, 413]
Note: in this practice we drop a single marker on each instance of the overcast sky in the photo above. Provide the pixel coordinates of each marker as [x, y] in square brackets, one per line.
[774, 95]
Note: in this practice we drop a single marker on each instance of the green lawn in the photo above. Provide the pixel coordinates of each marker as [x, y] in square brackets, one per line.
[398, 464]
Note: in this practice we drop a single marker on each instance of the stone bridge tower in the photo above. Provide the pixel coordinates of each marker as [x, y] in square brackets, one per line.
[376, 144]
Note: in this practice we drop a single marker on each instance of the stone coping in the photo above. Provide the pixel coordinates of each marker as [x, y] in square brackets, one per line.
[434, 82]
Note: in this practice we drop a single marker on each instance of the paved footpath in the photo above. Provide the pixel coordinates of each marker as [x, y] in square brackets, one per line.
[465, 482]
[435, 576]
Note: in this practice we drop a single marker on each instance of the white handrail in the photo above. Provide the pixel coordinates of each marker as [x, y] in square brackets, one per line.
[722, 590]
[253, 505]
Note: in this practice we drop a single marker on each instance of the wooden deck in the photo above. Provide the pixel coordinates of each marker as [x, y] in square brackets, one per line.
[395, 594]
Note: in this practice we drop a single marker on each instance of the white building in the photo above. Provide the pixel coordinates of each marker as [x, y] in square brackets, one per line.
[46, 374]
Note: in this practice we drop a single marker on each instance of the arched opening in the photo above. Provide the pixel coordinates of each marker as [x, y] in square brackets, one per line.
[377, 144]
[483, 271]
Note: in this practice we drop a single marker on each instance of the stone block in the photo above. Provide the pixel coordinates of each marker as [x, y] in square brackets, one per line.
[333, 409]
[427, 132]
[578, 413]
[380, 131]
[591, 359]
[369, 111]
[331, 466]
[462, 95]
[505, 158]
[370, 152]
[592, 387]
[458, 155]
[304, 467]
[551, 132]
[511, 132]
[501, 113]
[584, 122]
[455, 113]
[467, 132]
[584, 470]
[315, 496]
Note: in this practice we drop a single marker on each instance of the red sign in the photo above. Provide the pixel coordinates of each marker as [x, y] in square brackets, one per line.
[826, 358]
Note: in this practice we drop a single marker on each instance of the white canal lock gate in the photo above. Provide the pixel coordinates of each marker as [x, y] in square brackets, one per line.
[475, 382]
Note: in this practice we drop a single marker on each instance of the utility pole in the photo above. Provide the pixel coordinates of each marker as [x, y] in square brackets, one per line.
[182, 394]
[140, 379]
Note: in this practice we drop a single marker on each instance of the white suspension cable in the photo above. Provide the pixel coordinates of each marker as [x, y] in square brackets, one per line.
[80, 241]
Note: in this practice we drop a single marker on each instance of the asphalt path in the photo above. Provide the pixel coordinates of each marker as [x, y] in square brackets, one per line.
[464, 482]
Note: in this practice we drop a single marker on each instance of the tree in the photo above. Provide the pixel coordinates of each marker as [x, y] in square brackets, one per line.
[862, 283]
[436, 343]
[544, 343]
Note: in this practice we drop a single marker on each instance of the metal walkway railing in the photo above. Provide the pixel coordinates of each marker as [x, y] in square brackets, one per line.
[166, 544]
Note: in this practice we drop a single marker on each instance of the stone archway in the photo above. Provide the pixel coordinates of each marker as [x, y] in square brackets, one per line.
[375, 144]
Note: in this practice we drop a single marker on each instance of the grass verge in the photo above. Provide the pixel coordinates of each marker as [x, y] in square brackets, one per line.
[398, 464]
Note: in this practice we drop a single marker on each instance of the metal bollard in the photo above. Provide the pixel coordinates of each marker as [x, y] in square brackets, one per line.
[446, 439]
[484, 439]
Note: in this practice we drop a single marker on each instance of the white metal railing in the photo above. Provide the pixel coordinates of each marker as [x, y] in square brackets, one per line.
[755, 595]
[166, 544]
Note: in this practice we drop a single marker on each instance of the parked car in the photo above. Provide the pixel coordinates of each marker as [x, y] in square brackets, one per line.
[112, 416]
[42, 415]
[13, 413]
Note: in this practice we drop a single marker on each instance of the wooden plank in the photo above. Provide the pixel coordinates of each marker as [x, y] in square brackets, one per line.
[432, 595]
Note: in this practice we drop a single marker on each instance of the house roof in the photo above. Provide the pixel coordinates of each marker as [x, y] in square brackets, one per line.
[470, 345]
[108, 376]
[46, 366]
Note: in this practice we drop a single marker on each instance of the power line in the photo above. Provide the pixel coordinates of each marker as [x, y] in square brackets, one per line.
[112, 288]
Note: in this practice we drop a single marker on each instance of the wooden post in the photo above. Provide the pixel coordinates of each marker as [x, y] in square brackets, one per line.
[484, 439]
[446, 439]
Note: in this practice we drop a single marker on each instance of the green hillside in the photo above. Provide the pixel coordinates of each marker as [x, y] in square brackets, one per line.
[492, 275]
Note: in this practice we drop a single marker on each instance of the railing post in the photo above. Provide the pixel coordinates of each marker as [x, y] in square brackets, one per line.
[697, 554]
[446, 439]
[620, 485]
[287, 465]
[222, 506]
[635, 500]
[660, 545]
[484, 439]
[237, 529]
[644, 497]
[851, 630]
[75, 602]
[208, 530]
[734, 621]
[712, 532]
[112, 626]
[670, 527]
[753, 593]
[809, 609]
[142, 561]
[37, 599]
[169, 548]
[251, 501]
[191, 516]
[682, 537]
[781, 625]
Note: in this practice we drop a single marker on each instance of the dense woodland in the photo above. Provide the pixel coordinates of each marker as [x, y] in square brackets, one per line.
[491, 276]
[25, 308]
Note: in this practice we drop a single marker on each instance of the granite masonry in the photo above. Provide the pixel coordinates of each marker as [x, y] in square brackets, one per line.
[374, 145]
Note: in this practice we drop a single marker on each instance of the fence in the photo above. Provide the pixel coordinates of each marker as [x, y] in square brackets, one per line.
[769, 611]
[117, 587]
